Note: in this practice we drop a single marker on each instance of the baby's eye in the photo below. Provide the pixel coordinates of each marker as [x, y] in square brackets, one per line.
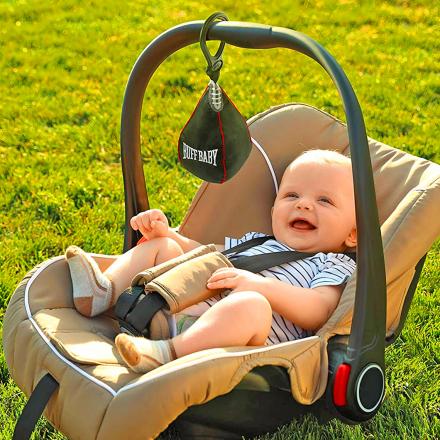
[325, 200]
[292, 195]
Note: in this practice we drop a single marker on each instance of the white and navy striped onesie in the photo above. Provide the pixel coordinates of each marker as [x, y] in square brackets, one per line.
[322, 269]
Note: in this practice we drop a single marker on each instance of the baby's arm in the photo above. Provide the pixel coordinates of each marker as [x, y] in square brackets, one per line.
[185, 243]
[307, 308]
[154, 223]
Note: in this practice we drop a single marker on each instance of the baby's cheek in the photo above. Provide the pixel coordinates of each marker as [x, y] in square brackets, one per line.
[276, 226]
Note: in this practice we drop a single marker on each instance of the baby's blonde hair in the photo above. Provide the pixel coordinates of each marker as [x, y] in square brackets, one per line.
[323, 156]
[328, 157]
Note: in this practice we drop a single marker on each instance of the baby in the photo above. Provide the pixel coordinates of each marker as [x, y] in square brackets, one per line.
[313, 212]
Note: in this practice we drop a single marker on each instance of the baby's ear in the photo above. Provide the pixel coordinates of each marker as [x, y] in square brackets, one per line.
[351, 240]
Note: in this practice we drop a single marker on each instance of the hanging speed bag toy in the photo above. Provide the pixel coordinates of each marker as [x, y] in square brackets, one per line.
[215, 142]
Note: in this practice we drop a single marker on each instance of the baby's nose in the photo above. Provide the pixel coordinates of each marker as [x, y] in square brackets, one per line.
[304, 203]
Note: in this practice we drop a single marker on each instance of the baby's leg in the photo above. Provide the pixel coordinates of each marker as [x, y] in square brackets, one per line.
[145, 255]
[95, 292]
[242, 318]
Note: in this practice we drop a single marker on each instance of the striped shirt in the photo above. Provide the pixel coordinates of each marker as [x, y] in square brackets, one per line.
[322, 269]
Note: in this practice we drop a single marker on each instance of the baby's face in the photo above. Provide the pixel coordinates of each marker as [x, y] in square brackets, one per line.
[314, 210]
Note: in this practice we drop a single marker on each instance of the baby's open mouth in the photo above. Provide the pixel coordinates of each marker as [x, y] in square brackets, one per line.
[302, 225]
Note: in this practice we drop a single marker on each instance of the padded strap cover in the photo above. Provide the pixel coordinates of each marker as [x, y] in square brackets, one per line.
[149, 274]
[185, 285]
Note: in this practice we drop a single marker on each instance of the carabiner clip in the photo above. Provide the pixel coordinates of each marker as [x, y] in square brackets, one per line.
[215, 62]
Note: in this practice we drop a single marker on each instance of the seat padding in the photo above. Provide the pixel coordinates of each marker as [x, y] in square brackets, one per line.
[80, 339]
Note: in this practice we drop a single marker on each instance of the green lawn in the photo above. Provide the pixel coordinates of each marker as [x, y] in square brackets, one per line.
[63, 70]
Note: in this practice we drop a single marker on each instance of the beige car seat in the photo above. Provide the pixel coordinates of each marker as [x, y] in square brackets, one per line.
[98, 396]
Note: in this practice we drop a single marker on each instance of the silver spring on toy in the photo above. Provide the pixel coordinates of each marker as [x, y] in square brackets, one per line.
[215, 97]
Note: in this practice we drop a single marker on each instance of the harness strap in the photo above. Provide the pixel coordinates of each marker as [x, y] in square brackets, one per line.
[134, 315]
[147, 307]
[257, 263]
[34, 407]
[126, 302]
[247, 245]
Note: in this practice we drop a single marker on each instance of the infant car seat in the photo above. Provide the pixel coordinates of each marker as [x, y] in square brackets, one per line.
[61, 357]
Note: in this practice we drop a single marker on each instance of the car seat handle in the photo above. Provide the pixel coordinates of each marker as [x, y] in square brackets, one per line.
[367, 338]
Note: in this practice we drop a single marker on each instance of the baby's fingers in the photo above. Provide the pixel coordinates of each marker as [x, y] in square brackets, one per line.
[222, 278]
[222, 273]
[144, 220]
[133, 223]
[138, 222]
[159, 226]
[224, 283]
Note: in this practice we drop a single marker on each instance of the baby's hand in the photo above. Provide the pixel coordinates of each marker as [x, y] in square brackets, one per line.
[238, 280]
[152, 223]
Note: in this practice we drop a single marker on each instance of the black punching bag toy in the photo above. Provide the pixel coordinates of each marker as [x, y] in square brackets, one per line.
[215, 142]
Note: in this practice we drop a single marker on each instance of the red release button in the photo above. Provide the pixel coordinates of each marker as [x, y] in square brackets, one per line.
[340, 385]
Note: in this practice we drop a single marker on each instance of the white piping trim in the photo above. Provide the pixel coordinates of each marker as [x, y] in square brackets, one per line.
[46, 339]
[269, 164]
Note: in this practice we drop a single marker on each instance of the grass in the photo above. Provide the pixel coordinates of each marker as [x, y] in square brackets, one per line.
[64, 66]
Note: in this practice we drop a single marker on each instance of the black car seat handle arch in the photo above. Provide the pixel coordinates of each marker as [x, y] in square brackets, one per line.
[367, 338]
